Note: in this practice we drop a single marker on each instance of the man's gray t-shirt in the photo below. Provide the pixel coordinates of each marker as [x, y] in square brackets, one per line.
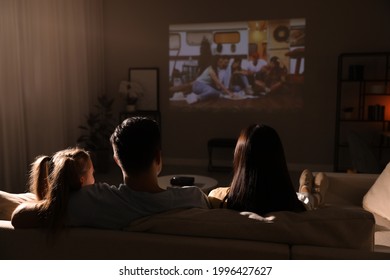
[104, 206]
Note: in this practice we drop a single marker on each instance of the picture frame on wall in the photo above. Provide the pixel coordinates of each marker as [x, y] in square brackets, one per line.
[148, 79]
[297, 36]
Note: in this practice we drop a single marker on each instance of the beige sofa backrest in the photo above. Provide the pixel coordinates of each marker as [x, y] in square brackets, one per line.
[347, 189]
[327, 227]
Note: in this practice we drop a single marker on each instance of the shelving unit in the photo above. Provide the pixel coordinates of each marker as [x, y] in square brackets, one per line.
[363, 106]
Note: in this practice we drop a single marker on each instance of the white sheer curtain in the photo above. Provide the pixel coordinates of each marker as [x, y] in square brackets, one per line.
[51, 69]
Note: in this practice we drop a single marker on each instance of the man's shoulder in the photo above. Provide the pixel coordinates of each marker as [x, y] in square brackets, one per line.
[189, 196]
[100, 190]
[188, 193]
[101, 186]
[185, 190]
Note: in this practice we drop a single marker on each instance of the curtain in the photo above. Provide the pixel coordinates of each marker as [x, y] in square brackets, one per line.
[51, 69]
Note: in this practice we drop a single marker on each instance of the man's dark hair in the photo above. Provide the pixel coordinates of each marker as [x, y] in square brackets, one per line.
[136, 142]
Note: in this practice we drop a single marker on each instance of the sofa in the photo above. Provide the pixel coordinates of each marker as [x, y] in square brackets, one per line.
[342, 229]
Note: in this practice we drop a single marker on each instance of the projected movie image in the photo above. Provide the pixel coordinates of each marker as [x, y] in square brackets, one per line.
[256, 65]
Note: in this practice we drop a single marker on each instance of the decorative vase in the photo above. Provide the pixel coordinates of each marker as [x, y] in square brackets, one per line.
[130, 107]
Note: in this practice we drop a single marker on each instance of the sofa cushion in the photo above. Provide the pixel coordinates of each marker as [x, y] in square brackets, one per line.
[329, 226]
[377, 199]
[382, 234]
[9, 201]
[348, 189]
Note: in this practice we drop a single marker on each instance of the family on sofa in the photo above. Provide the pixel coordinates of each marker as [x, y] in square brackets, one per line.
[64, 192]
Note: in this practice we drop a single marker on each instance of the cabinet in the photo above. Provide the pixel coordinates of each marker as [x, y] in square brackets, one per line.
[363, 110]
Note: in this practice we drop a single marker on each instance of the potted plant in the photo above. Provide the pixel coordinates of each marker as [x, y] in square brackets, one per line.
[96, 133]
[131, 91]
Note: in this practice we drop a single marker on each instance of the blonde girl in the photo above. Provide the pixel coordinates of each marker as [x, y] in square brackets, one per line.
[52, 180]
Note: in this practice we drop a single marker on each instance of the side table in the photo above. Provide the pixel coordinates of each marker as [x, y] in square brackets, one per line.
[206, 184]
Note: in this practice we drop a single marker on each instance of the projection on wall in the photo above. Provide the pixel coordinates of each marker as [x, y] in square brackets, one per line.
[253, 65]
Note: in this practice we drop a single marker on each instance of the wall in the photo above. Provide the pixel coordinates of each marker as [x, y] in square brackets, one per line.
[136, 35]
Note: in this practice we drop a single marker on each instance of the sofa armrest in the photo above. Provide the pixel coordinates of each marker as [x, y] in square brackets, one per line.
[348, 189]
[4, 224]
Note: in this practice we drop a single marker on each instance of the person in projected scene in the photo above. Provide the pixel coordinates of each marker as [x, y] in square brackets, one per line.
[208, 84]
[205, 55]
[251, 68]
[52, 181]
[271, 78]
[223, 71]
[238, 80]
[261, 182]
[137, 151]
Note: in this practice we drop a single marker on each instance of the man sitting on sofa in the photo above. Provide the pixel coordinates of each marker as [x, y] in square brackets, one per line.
[137, 151]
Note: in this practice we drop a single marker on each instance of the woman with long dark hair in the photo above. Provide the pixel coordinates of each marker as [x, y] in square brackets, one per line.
[261, 182]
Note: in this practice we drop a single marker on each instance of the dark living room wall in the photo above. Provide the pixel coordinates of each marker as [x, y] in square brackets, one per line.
[136, 35]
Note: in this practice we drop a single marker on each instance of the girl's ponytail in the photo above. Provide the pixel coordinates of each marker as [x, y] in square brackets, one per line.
[65, 179]
[39, 177]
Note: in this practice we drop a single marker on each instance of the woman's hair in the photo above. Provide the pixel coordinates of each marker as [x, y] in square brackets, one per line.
[261, 181]
[236, 63]
[275, 60]
[52, 179]
[216, 59]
